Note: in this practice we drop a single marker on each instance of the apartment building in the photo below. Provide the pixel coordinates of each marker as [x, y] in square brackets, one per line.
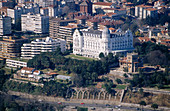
[142, 11]
[59, 28]
[15, 13]
[51, 11]
[5, 25]
[46, 3]
[29, 50]
[102, 5]
[15, 63]
[36, 23]
[10, 47]
[152, 12]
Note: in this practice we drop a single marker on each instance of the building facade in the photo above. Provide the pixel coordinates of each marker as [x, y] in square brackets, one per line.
[15, 63]
[142, 11]
[10, 47]
[91, 43]
[35, 23]
[130, 63]
[5, 25]
[29, 50]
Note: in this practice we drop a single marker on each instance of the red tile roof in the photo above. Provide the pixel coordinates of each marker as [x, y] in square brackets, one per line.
[27, 68]
[103, 3]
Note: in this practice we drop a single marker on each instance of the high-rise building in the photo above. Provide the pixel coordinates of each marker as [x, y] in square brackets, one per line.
[91, 43]
[36, 23]
[29, 50]
[10, 47]
[55, 24]
[5, 25]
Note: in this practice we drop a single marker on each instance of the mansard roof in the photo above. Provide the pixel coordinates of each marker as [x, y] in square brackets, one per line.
[91, 31]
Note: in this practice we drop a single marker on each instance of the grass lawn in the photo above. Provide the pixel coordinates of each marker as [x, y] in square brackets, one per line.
[120, 86]
[79, 57]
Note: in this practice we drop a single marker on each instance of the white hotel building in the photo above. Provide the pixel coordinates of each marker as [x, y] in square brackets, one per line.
[91, 43]
[29, 50]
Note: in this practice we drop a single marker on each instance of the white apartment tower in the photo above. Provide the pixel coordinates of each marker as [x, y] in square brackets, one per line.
[91, 43]
[5, 25]
[36, 23]
[29, 50]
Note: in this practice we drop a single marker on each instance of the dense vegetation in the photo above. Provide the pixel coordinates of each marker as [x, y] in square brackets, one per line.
[51, 88]
[85, 72]
[161, 19]
[153, 54]
[151, 80]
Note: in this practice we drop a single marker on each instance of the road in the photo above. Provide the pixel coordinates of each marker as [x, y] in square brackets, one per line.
[83, 105]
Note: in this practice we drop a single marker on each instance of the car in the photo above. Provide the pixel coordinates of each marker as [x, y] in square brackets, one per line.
[119, 105]
[116, 107]
[93, 108]
[107, 104]
[81, 103]
[59, 103]
[137, 108]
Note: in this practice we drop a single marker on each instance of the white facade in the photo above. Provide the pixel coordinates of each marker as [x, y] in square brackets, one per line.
[16, 13]
[49, 11]
[29, 50]
[5, 25]
[15, 63]
[35, 23]
[91, 43]
[142, 11]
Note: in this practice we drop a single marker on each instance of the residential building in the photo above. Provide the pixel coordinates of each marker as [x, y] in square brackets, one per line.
[20, 9]
[46, 3]
[130, 63]
[5, 25]
[139, 10]
[55, 24]
[29, 50]
[50, 11]
[91, 43]
[10, 47]
[121, 11]
[27, 73]
[151, 12]
[102, 5]
[36, 23]
[9, 4]
[15, 63]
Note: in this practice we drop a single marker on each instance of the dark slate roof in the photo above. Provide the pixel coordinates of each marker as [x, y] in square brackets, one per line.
[93, 31]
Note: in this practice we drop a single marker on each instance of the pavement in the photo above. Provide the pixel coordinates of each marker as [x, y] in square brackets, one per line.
[91, 107]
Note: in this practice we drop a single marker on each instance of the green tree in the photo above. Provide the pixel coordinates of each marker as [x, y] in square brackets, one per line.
[119, 81]
[142, 103]
[141, 91]
[101, 55]
[154, 106]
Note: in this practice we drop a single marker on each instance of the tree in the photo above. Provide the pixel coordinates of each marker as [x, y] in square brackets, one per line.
[137, 34]
[101, 55]
[77, 80]
[125, 75]
[142, 103]
[118, 81]
[141, 91]
[154, 106]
